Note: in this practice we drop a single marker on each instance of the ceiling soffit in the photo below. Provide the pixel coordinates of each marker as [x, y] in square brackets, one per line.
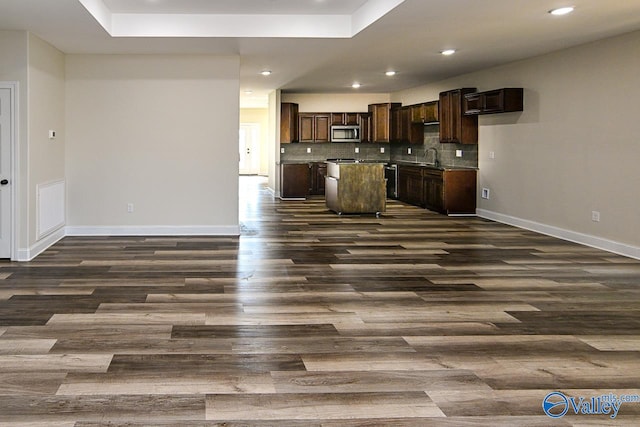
[190, 23]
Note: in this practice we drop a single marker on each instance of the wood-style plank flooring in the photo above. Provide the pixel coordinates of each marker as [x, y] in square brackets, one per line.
[312, 319]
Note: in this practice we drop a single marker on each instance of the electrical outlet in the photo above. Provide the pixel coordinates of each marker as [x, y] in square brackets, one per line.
[595, 216]
[309, 150]
[409, 150]
[492, 154]
[381, 150]
[357, 150]
[485, 193]
[129, 207]
[458, 153]
[282, 150]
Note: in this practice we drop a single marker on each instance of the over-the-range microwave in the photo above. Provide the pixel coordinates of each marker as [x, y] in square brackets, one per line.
[348, 133]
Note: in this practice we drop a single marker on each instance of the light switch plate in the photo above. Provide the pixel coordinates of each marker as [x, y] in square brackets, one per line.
[357, 150]
[458, 153]
[408, 150]
[52, 134]
[282, 150]
[381, 150]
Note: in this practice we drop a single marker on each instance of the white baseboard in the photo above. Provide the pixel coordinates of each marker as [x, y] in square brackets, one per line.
[160, 230]
[40, 246]
[572, 236]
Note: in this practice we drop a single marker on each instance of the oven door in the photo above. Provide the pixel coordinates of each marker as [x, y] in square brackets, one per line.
[391, 174]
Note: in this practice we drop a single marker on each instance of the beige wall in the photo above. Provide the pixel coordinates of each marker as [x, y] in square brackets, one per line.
[46, 112]
[259, 116]
[39, 70]
[573, 150]
[156, 131]
[334, 102]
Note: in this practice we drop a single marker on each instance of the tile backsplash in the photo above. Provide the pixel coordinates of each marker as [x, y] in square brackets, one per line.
[335, 150]
[446, 152]
[392, 152]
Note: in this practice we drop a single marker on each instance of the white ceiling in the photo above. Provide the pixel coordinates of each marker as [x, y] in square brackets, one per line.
[408, 38]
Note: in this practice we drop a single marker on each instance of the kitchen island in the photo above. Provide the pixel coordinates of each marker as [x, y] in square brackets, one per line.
[355, 187]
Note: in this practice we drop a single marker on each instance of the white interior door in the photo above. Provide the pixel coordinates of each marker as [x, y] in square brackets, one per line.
[6, 123]
[249, 149]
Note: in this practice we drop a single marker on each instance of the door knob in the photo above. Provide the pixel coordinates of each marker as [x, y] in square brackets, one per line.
[4, 182]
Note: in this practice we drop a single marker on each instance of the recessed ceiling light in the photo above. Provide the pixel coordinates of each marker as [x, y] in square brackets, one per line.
[266, 73]
[390, 73]
[561, 10]
[448, 52]
[356, 85]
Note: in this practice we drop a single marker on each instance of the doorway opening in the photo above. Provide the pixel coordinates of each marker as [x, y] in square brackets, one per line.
[249, 149]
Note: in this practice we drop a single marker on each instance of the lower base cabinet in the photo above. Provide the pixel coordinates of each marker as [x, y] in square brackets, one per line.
[449, 191]
[410, 185]
[317, 172]
[299, 180]
[294, 180]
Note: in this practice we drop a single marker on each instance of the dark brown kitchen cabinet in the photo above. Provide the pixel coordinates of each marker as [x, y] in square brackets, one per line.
[294, 180]
[455, 126]
[400, 124]
[364, 120]
[505, 100]
[448, 191]
[317, 172]
[381, 121]
[405, 125]
[288, 122]
[424, 113]
[433, 186]
[451, 192]
[410, 185]
[314, 127]
[345, 119]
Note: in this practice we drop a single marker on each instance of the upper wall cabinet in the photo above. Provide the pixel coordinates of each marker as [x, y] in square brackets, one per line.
[314, 127]
[424, 113]
[288, 122]
[504, 100]
[455, 126]
[381, 121]
[345, 119]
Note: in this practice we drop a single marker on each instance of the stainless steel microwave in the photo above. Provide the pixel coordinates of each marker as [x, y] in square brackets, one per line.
[349, 133]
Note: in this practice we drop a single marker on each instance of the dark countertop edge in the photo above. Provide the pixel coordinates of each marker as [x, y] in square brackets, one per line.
[300, 162]
[441, 167]
[384, 162]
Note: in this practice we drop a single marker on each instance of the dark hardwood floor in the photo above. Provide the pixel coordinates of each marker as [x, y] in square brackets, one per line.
[314, 319]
